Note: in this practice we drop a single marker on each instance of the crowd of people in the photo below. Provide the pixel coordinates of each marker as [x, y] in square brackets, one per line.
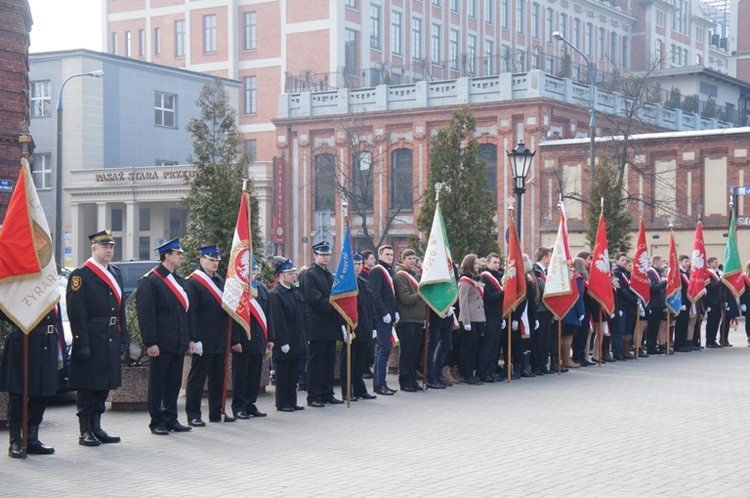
[473, 343]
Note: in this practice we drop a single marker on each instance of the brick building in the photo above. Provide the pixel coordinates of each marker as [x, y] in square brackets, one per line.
[15, 25]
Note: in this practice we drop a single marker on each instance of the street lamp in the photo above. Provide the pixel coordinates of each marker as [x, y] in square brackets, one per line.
[592, 78]
[520, 163]
[58, 167]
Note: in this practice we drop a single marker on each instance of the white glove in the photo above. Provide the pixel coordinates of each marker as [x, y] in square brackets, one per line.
[642, 312]
[502, 325]
[397, 317]
[708, 309]
[583, 317]
[387, 318]
[683, 307]
[536, 324]
[285, 348]
[621, 313]
[514, 325]
[612, 316]
[343, 333]
[467, 326]
[374, 334]
[199, 348]
[743, 308]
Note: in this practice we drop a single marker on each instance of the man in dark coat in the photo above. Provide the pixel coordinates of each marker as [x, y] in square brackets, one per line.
[211, 345]
[247, 355]
[491, 342]
[384, 298]
[363, 334]
[165, 317]
[97, 317]
[324, 328]
[288, 315]
[714, 300]
[656, 305]
[45, 341]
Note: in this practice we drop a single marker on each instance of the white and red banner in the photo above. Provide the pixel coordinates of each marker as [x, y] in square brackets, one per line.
[238, 288]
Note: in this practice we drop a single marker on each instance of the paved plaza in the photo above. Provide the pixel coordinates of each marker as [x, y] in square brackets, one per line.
[677, 426]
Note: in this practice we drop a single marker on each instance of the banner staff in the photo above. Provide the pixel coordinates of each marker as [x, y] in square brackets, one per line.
[345, 211]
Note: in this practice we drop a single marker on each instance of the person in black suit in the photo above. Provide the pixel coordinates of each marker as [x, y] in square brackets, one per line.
[166, 320]
[656, 305]
[715, 299]
[97, 316]
[247, 355]
[211, 345]
[288, 315]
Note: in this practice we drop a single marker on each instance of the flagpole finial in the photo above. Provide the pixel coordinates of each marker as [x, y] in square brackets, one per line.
[601, 201]
[344, 207]
[438, 188]
[511, 205]
[244, 184]
[671, 222]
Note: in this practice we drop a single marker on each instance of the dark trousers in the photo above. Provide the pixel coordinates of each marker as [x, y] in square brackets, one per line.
[35, 410]
[467, 357]
[681, 329]
[540, 341]
[652, 329]
[517, 345]
[439, 344]
[320, 368]
[697, 330]
[286, 383]
[579, 342]
[489, 347]
[409, 335]
[211, 366]
[164, 380]
[554, 341]
[246, 373]
[712, 323]
[382, 354]
[90, 402]
[360, 352]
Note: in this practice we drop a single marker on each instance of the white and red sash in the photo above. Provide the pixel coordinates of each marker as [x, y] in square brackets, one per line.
[479, 286]
[713, 274]
[654, 272]
[106, 277]
[176, 289]
[410, 278]
[259, 315]
[495, 282]
[207, 282]
[387, 277]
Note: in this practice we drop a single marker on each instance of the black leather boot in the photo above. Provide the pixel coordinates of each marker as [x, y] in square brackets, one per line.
[101, 435]
[87, 437]
[36, 447]
[526, 369]
[16, 448]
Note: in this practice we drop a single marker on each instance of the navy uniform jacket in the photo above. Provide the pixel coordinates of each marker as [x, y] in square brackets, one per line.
[91, 306]
[161, 317]
[323, 321]
[43, 347]
[289, 322]
[210, 317]
[257, 343]
[625, 299]
[493, 297]
[382, 292]
[365, 310]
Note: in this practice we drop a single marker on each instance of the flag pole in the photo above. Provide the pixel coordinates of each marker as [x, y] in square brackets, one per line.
[509, 316]
[344, 206]
[227, 351]
[438, 188]
[559, 347]
[25, 397]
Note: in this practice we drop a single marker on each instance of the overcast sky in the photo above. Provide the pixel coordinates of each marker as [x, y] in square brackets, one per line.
[66, 24]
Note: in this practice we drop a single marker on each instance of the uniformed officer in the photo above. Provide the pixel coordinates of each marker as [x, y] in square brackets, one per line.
[288, 312]
[247, 355]
[96, 312]
[324, 328]
[211, 346]
[45, 342]
[165, 317]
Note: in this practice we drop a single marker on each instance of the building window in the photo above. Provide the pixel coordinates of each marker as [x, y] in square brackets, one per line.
[325, 182]
[416, 39]
[209, 33]
[455, 5]
[520, 61]
[489, 11]
[144, 248]
[251, 95]
[577, 33]
[521, 16]
[401, 180]
[141, 43]
[613, 48]
[660, 18]
[625, 59]
[177, 222]
[471, 8]
[40, 99]
[453, 49]
[157, 41]
[113, 49]
[699, 33]
[505, 14]
[602, 43]
[179, 38]
[41, 171]
[471, 49]
[550, 23]
[127, 44]
[489, 49]
[249, 30]
[564, 25]
[435, 54]
[437, 3]
[589, 38]
[505, 59]
[351, 3]
[488, 156]
[165, 106]
[162, 163]
[375, 41]
[251, 149]
[363, 186]
[144, 220]
[350, 51]
[535, 21]
[116, 220]
[396, 36]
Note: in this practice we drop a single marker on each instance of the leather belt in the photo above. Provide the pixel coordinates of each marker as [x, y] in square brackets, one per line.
[109, 320]
[46, 329]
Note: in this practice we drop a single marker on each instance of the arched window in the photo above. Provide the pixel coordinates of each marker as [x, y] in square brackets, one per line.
[488, 156]
[325, 182]
[402, 190]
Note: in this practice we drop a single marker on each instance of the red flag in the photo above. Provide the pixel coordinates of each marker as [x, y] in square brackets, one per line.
[600, 281]
[698, 267]
[639, 282]
[560, 289]
[515, 276]
[674, 284]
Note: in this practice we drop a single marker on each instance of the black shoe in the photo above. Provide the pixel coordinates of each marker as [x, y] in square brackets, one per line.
[545, 370]
[87, 438]
[712, 345]
[435, 385]
[619, 357]
[367, 396]
[417, 386]
[160, 430]
[254, 412]
[228, 419]
[642, 353]
[727, 345]
[684, 349]
[316, 404]
[241, 415]
[285, 409]
[39, 448]
[526, 372]
[607, 358]
[587, 362]
[15, 450]
[474, 381]
[537, 372]
[496, 377]
[298, 408]
[409, 389]
[444, 383]
[515, 374]
[352, 399]
[383, 390]
[487, 379]
[333, 401]
[178, 427]
[196, 422]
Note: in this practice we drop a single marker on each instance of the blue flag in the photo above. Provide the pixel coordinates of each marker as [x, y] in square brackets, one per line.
[345, 290]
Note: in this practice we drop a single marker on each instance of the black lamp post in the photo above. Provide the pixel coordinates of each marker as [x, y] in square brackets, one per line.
[520, 163]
